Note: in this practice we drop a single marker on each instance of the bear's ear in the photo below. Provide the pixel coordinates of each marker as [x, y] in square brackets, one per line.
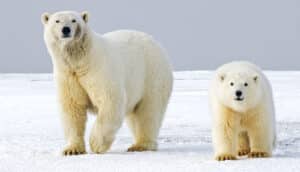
[45, 18]
[221, 77]
[85, 16]
[255, 78]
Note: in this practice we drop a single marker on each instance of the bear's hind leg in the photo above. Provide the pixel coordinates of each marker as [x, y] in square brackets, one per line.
[244, 147]
[145, 124]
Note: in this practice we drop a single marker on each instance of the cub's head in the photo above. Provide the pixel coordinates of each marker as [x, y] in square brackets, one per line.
[239, 91]
[64, 26]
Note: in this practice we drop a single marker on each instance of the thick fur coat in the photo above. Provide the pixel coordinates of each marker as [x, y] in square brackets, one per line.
[243, 112]
[119, 75]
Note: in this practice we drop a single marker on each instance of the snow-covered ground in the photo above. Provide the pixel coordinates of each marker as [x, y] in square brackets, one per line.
[31, 136]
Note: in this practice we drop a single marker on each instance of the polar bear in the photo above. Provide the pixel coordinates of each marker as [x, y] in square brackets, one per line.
[119, 75]
[243, 112]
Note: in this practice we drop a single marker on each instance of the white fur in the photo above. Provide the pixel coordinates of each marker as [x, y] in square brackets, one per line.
[116, 75]
[248, 126]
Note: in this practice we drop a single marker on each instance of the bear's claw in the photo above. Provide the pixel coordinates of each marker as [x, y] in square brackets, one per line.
[73, 151]
[243, 152]
[225, 157]
[258, 155]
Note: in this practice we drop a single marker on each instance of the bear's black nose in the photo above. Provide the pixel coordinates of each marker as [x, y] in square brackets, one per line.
[238, 93]
[66, 30]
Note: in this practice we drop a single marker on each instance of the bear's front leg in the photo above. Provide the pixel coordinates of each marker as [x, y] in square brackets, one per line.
[225, 136]
[108, 122]
[73, 101]
[225, 143]
[260, 136]
[74, 120]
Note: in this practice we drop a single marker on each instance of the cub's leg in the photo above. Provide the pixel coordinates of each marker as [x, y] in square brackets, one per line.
[73, 101]
[260, 138]
[225, 134]
[244, 147]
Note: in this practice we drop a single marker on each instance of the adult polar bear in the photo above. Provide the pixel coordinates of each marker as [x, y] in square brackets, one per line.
[116, 75]
[243, 111]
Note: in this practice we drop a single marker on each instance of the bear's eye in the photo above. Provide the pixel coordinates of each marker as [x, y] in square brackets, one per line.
[73, 21]
[57, 21]
[246, 84]
[231, 84]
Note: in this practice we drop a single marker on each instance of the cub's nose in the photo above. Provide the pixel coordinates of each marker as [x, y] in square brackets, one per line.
[66, 30]
[238, 93]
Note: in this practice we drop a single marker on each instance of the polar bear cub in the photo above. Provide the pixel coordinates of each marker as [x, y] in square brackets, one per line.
[243, 112]
[118, 75]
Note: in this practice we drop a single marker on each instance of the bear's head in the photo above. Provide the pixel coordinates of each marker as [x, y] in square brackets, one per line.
[65, 26]
[240, 91]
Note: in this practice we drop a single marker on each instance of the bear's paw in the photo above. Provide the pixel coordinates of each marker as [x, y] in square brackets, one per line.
[224, 157]
[256, 154]
[243, 152]
[74, 150]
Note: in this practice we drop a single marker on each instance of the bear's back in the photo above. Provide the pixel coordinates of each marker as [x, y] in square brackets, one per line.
[127, 36]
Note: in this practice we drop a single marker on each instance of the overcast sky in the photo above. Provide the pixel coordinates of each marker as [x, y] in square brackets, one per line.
[198, 34]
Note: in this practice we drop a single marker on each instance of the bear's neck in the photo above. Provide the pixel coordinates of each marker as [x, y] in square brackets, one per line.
[74, 53]
[76, 49]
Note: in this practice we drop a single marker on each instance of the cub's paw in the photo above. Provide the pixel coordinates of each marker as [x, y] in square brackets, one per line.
[225, 157]
[243, 152]
[74, 150]
[256, 154]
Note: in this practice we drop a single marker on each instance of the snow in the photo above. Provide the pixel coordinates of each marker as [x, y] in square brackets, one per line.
[31, 135]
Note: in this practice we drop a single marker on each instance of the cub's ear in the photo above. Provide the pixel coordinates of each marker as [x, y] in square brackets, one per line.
[221, 77]
[85, 16]
[255, 78]
[45, 18]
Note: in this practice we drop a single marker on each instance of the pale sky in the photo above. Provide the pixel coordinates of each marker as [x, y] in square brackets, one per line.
[198, 34]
